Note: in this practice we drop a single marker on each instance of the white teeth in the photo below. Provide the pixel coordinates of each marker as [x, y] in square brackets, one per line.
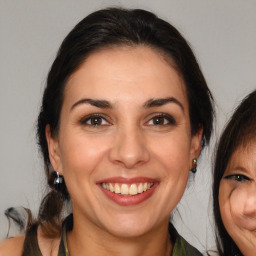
[111, 188]
[117, 189]
[133, 190]
[126, 189]
[140, 188]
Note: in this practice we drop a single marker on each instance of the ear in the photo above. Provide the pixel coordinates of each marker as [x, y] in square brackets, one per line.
[196, 144]
[54, 150]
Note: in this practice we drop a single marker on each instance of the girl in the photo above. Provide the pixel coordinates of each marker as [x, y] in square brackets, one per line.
[234, 188]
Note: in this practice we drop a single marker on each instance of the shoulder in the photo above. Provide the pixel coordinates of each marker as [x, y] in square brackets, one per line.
[181, 246]
[12, 246]
[187, 248]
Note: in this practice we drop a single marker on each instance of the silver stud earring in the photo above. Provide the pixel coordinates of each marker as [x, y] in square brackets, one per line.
[58, 180]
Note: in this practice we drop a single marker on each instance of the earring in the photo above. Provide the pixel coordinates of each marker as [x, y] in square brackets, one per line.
[194, 165]
[58, 180]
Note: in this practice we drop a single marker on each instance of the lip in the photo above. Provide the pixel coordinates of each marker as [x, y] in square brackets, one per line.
[128, 200]
[127, 180]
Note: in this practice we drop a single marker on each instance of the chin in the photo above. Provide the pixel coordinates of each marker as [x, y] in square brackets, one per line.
[128, 232]
[129, 228]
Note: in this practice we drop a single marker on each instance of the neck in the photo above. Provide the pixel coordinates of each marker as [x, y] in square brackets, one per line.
[88, 240]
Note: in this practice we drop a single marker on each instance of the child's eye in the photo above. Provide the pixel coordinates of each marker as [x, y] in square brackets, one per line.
[162, 119]
[94, 120]
[237, 177]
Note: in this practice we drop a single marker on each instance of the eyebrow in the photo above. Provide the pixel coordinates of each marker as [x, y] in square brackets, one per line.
[96, 103]
[162, 101]
[148, 104]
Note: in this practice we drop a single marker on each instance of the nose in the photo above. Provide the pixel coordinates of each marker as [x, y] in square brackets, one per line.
[243, 206]
[129, 148]
[249, 209]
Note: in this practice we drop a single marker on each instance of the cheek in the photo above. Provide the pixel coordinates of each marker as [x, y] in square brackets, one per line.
[225, 192]
[172, 156]
[224, 204]
[173, 152]
[234, 203]
[243, 209]
[82, 154]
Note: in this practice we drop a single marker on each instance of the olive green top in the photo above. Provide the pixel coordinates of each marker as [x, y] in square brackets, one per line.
[31, 248]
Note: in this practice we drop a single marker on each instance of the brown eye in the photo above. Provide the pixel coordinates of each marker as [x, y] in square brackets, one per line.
[94, 121]
[161, 120]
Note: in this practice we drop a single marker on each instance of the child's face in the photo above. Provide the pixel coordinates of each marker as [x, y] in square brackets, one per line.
[237, 198]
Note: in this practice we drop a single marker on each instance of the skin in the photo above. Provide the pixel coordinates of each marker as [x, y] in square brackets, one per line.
[237, 198]
[12, 246]
[130, 141]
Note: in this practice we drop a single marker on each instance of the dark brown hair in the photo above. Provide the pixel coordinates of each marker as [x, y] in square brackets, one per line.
[239, 131]
[104, 28]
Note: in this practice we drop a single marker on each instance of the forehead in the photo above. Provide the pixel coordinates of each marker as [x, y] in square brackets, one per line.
[127, 71]
[244, 156]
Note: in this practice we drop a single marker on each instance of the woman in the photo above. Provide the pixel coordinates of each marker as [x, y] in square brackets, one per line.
[123, 118]
[234, 188]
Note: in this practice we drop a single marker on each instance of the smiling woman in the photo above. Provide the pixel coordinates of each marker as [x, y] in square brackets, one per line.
[234, 188]
[124, 116]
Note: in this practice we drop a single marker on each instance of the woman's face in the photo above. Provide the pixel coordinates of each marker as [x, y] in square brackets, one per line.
[237, 198]
[124, 145]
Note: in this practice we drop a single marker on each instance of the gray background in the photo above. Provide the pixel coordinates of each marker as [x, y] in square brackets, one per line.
[222, 34]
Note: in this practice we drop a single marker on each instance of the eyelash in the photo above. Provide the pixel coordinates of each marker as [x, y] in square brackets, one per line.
[166, 119]
[91, 117]
[237, 177]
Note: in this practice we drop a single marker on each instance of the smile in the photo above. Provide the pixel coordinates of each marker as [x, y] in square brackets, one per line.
[127, 189]
[128, 192]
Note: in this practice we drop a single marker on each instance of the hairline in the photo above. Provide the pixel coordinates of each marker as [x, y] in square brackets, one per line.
[126, 44]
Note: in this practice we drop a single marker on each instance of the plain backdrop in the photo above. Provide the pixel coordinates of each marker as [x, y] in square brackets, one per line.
[222, 34]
